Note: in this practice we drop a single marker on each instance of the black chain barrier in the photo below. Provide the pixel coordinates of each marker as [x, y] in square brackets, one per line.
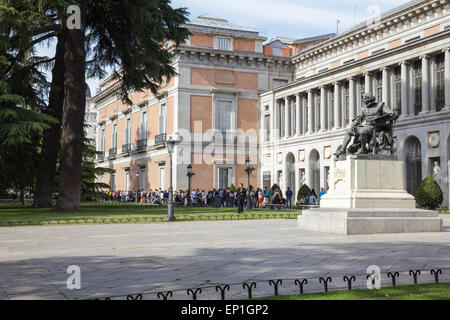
[393, 275]
[145, 220]
[325, 282]
[275, 285]
[436, 274]
[349, 281]
[414, 274]
[249, 288]
[301, 283]
[194, 293]
[165, 296]
[222, 291]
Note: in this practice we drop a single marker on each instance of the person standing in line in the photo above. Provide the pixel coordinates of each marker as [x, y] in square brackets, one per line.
[241, 194]
[289, 195]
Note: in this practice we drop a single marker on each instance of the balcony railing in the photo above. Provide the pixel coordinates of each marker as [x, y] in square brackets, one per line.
[100, 155]
[142, 144]
[126, 148]
[160, 138]
[112, 152]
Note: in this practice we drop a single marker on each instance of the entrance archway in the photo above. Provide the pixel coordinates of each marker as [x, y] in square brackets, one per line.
[290, 171]
[413, 156]
[314, 170]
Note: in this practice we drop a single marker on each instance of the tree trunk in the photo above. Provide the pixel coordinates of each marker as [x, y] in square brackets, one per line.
[73, 119]
[51, 137]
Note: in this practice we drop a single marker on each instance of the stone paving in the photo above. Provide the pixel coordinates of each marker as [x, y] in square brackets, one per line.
[117, 260]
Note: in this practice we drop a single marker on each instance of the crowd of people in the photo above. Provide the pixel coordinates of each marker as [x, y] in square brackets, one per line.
[224, 198]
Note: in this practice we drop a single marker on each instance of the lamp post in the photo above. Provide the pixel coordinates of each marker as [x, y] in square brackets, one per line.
[171, 143]
[190, 174]
[249, 171]
[137, 184]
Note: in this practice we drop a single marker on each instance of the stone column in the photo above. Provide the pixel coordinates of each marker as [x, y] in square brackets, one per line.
[337, 105]
[447, 78]
[310, 111]
[352, 101]
[304, 116]
[386, 87]
[405, 103]
[276, 115]
[298, 115]
[425, 84]
[328, 109]
[323, 108]
[368, 83]
[286, 118]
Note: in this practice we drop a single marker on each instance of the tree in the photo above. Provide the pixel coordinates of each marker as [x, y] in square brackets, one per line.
[90, 189]
[22, 95]
[429, 195]
[303, 192]
[128, 35]
[45, 183]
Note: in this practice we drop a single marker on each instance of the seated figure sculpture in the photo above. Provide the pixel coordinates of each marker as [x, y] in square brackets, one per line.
[372, 130]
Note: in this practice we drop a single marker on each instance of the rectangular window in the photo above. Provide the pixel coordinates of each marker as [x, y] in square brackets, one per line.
[417, 85]
[267, 128]
[379, 86]
[331, 108]
[102, 141]
[143, 128]
[317, 113]
[223, 178]
[267, 179]
[224, 116]
[397, 87]
[162, 178]
[127, 181]
[127, 137]
[277, 52]
[163, 118]
[113, 182]
[114, 136]
[223, 43]
[142, 180]
[346, 103]
[440, 81]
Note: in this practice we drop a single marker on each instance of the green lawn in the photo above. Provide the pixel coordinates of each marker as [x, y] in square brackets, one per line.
[13, 215]
[413, 292]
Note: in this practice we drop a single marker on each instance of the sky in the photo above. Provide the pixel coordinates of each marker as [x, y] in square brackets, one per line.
[287, 18]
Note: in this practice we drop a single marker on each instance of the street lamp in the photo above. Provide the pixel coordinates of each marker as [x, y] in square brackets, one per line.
[171, 143]
[190, 174]
[137, 184]
[249, 171]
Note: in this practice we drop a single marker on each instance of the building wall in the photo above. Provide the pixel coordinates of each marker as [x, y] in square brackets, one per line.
[327, 69]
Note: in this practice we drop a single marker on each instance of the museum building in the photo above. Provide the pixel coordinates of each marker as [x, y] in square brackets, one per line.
[221, 70]
[298, 96]
[403, 59]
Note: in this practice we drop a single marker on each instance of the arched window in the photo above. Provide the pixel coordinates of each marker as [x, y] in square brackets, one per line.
[413, 157]
[314, 167]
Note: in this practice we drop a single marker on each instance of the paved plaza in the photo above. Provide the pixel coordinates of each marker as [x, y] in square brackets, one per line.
[117, 260]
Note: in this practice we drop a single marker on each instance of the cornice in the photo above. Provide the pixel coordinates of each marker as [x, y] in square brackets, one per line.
[363, 30]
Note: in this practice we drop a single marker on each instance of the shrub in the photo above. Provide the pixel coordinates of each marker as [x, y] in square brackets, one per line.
[429, 195]
[303, 192]
[233, 188]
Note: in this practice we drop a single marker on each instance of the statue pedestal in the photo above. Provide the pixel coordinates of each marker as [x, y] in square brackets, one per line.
[367, 195]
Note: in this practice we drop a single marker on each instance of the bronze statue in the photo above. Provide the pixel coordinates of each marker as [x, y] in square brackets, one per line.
[372, 130]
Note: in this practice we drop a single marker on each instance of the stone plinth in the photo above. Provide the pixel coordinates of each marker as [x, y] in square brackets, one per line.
[370, 221]
[368, 196]
[368, 182]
